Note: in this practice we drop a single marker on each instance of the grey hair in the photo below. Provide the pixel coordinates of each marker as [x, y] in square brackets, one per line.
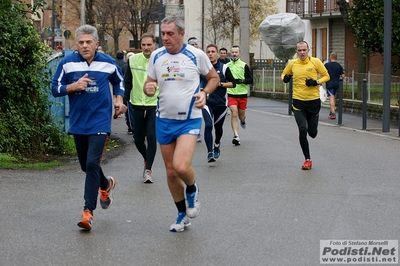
[180, 25]
[87, 29]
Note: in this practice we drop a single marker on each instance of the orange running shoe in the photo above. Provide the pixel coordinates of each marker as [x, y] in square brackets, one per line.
[307, 165]
[106, 195]
[86, 221]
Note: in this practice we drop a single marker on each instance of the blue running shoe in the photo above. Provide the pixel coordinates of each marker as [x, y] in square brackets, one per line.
[216, 151]
[193, 203]
[182, 222]
[210, 157]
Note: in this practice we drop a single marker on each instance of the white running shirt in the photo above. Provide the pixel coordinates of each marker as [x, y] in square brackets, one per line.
[178, 77]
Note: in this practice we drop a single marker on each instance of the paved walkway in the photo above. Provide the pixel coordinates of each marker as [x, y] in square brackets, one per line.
[349, 121]
[258, 206]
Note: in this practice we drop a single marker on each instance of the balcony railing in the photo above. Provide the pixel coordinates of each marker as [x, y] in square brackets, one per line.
[313, 8]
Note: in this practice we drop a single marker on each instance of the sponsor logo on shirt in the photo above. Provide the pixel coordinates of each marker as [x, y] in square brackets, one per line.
[173, 69]
[92, 87]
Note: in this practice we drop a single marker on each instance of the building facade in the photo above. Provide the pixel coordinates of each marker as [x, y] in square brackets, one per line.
[325, 29]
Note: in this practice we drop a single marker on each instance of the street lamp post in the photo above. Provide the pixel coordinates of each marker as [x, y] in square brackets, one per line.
[83, 12]
[387, 51]
[160, 17]
[53, 24]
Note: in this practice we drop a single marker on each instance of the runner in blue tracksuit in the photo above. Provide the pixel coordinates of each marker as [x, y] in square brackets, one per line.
[85, 76]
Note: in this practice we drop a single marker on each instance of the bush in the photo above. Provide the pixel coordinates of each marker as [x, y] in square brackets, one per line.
[26, 125]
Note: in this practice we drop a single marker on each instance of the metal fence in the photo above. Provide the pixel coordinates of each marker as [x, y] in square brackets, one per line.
[269, 79]
[312, 8]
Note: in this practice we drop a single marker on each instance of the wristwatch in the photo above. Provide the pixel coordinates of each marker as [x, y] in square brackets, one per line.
[207, 94]
[221, 84]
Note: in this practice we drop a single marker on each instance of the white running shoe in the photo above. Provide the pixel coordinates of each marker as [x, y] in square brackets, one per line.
[182, 222]
[147, 176]
[193, 203]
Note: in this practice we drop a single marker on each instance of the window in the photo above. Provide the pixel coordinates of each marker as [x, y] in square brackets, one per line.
[319, 43]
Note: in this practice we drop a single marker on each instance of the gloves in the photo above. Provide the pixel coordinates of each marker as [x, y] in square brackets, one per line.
[287, 78]
[238, 81]
[311, 82]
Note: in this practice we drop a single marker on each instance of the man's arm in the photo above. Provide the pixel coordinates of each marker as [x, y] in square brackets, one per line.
[342, 70]
[229, 77]
[287, 73]
[60, 87]
[117, 81]
[248, 76]
[212, 83]
[323, 72]
[128, 84]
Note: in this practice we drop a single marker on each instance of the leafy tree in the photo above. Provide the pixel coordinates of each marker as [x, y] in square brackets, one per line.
[26, 124]
[222, 18]
[366, 21]
[5, 5]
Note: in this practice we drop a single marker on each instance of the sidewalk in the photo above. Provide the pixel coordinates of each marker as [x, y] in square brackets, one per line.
[349, 121]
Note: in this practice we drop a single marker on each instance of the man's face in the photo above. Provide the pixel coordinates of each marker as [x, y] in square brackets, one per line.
[87, 46]
[222, 54]
[235, 53]
[302, 50]
[172, 39]
[212, 54]
[148, 46]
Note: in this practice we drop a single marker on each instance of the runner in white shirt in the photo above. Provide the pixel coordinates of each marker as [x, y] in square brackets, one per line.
[179, 77]
[176, 68]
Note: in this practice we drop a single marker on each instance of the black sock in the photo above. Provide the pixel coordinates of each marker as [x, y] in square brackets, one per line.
[181, 205]
[191, 189]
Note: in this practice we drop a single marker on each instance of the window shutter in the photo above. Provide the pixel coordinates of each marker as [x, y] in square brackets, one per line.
[324, 44]
[314, 43]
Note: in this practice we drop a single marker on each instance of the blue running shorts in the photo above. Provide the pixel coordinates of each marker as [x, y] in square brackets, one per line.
[168, 130]
[331, 91]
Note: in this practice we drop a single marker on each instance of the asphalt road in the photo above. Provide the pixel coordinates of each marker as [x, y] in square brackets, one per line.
[258, 206]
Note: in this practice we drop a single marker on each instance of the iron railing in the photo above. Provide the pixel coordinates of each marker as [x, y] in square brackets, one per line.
[269, 80]
[313, 8]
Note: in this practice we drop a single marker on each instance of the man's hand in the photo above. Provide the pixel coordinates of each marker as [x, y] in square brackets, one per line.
[119, 107]
[150, 88]
[82, 83]
[287, 78]
[201, 99]
[311, 82]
